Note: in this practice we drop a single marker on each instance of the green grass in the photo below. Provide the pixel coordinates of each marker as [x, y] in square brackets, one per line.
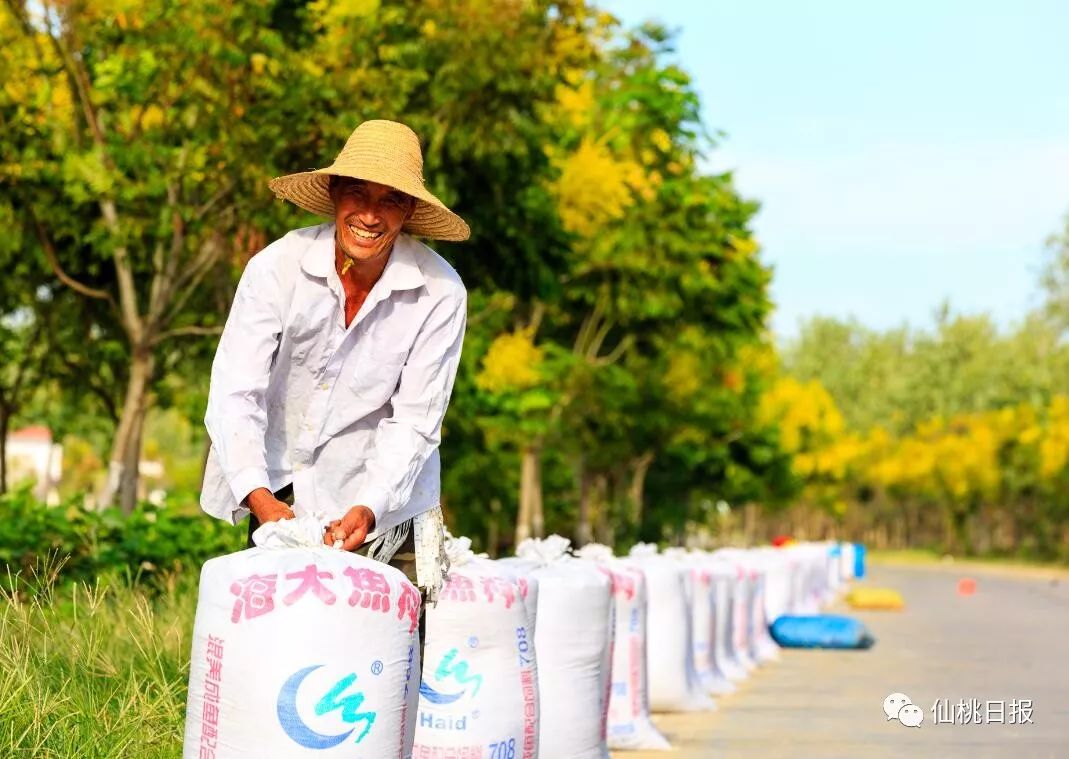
[95, 671]
[904, 556]
[926, 557]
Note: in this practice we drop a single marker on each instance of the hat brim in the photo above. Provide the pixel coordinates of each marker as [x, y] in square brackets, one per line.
[311, 191]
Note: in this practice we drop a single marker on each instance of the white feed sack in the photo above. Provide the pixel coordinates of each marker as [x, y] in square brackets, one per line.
[807, 579]
[703, 614]
[762, 647]
[751, 629]
[629, 725]
[847, 561]
[742, 599]
[674, 685]
[724, 575]
[573, 639]
[300, 650]
[742, 620]
[779, 569]
[834, 573]
[479, 696]
[816, 591]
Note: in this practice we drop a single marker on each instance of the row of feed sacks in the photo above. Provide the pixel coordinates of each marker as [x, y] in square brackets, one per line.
[616, 638]
[302, 650]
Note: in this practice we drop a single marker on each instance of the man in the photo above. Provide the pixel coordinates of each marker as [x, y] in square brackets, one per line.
[338, 358]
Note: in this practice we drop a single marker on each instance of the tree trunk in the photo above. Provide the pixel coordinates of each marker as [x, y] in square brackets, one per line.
[603, 499]
[951, 530]
[523, 514]
[749, 524]
[636, 490]
[492, 528]
[584, 532]
[538, 518]
[126, 447]
[530, 520]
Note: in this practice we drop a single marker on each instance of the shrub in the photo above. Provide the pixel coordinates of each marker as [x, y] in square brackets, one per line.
[83, 545]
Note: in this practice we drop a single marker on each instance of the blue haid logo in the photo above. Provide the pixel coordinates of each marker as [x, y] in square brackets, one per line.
[450, 681]
[350, 708]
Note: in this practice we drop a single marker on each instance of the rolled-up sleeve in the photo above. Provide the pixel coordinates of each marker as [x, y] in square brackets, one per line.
[236, 416]
[406, 439]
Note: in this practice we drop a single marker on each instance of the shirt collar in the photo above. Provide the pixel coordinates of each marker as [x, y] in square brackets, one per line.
[402, 271]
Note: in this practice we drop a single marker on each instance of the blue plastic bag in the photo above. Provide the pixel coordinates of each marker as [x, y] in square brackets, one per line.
[821, 631]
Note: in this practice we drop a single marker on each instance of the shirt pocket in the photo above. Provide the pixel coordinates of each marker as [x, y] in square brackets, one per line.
[374, 375]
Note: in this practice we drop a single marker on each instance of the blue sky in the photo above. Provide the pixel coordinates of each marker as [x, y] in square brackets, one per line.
[905, 153]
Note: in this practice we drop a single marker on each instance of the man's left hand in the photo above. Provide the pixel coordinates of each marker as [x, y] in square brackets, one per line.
[352, 529]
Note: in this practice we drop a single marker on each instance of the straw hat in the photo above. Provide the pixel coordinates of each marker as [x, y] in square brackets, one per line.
[379, 151]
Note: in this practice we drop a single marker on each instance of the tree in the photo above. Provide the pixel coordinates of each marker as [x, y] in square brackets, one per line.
[24, 337]
[1055, 278]
[665, 284]
[134, 165]
[655, 249]
[865, 371]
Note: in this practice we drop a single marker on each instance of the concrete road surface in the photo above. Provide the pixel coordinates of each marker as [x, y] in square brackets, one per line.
[1009, 641]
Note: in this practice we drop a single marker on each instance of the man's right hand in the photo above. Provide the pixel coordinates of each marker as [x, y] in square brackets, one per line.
[266, 508]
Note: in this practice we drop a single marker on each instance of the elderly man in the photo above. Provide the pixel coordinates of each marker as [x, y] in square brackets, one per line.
[338, 358]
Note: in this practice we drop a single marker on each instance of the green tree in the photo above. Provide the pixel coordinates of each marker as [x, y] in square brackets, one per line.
[865, 371]
[1055, 277]
[24, 337]
[136, 164]
[899, 378]
[656, 249]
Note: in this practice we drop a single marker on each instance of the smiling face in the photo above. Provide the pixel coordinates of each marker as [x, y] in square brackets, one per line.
[368, 217]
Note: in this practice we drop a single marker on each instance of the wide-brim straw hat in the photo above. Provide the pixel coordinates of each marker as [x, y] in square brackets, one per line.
[379, 151]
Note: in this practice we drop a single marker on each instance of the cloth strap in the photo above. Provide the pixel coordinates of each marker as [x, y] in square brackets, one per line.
[428, 533]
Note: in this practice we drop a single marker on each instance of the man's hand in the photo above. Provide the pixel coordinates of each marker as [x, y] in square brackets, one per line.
[266, 508]
[352, 529]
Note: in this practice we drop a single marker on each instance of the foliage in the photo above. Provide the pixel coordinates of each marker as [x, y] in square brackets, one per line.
[662, 282]
[131, 143]
[946, 446]
[150, 543]
[617, 378]
[900, 377]
[512, 362]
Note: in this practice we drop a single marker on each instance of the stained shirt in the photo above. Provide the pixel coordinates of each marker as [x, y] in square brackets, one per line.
[347, 415]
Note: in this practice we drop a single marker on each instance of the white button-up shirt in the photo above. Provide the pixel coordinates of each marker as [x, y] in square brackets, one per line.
[348, 416]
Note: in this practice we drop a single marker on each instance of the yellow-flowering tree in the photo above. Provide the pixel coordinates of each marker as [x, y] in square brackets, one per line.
[515, 381]
[988, 480]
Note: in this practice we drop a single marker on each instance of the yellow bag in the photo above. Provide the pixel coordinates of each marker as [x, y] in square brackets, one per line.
[875, 598]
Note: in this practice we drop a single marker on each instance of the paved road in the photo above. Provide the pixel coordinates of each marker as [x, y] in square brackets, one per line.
[1009, 641]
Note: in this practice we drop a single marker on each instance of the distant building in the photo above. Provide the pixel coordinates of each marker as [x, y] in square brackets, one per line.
[32, 456]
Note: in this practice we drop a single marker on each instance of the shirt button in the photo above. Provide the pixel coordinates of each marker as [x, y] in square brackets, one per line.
[324, 386]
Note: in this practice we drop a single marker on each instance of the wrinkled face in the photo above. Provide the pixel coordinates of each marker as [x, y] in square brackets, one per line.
[368, 216]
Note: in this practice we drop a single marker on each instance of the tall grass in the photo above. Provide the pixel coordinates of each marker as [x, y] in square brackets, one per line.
[94, 670]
